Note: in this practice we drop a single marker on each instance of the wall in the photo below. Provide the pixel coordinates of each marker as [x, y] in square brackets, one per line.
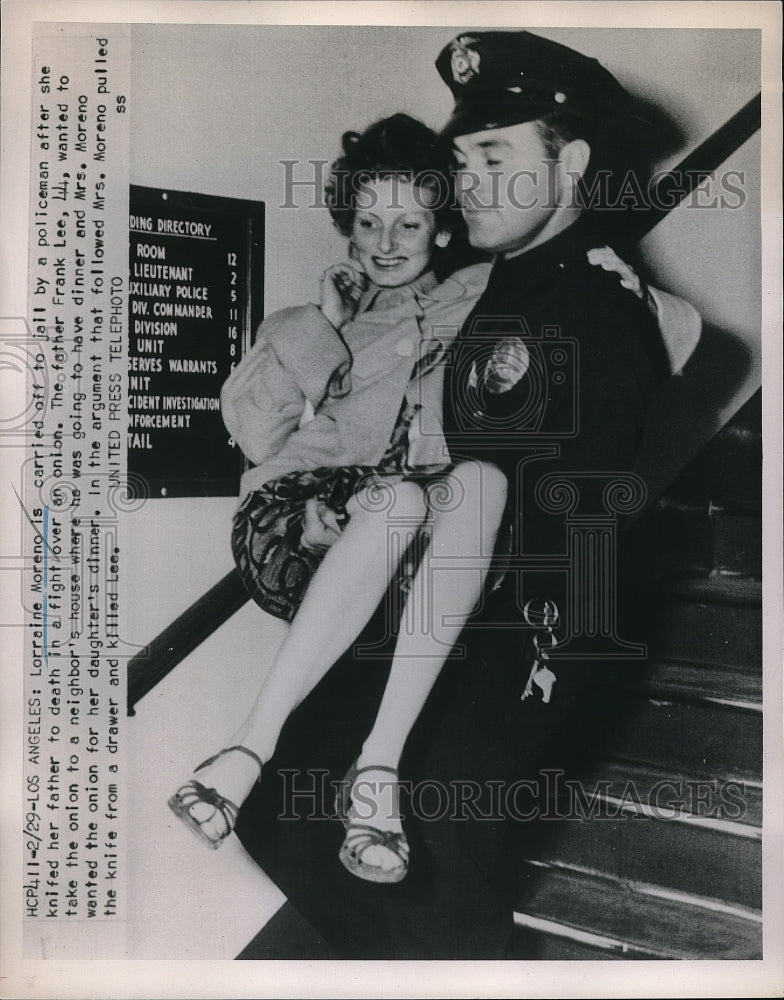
[215, 110]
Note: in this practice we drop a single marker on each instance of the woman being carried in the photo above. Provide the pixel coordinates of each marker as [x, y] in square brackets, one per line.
[333, 502]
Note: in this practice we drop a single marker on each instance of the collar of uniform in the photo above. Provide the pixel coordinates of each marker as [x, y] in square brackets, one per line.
[527, 268]
[376, 298]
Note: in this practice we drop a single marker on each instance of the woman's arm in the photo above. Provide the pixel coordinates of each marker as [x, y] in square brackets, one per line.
[295, 358]
[261, 403]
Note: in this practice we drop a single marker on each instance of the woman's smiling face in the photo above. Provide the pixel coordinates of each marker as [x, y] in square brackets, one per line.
[394, 232]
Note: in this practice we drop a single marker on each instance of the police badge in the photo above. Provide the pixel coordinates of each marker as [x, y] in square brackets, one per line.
[465, 61]
[508, 364]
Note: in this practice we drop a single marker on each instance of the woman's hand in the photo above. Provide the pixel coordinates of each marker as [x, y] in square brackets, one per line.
[608, 259]
[321, 527]
[341, 288]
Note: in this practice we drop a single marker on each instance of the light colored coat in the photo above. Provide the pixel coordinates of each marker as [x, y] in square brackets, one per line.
[354, 380]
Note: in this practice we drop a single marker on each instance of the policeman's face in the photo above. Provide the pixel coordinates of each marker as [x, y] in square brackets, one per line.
[506, 187]
[394, 231]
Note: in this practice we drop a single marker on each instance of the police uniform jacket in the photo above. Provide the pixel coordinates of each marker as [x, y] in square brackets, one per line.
[552, 375]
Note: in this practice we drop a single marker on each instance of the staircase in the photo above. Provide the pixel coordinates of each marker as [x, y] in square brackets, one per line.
[655, 848]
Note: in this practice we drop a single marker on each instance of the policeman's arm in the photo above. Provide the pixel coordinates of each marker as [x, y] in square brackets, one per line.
[679, 322]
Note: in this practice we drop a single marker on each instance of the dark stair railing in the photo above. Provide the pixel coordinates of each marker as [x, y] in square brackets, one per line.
[152, 663]
[157, 659]
[672, 187]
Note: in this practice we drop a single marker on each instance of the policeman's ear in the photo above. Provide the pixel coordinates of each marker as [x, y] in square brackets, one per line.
[443, 236]
[572, 163]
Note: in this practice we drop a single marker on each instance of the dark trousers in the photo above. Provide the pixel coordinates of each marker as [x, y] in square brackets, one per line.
[474, 738]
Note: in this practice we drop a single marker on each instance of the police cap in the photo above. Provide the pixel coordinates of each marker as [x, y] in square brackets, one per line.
[501, 78]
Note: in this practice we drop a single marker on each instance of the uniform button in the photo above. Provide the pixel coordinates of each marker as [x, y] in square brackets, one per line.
[404, 348]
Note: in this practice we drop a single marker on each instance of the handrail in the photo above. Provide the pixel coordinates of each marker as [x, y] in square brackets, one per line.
[695, 168]
[205, 616]
[157, 659]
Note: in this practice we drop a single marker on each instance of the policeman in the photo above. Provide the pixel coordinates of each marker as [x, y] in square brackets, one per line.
[551, 376]
[556, 364]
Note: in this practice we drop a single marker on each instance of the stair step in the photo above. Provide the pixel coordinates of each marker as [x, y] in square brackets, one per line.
[697, 682]
[675, 794]
[620, 916]
[670, 540]
[673, 539]
[719, 589]
[737, 543]
[680, 830]
[672, 855]
[729, 469]
[547, 943]
[699, 627]
[695, 734]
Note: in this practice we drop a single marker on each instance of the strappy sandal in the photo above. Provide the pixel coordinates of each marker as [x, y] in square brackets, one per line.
[361, 836]
[193, 793]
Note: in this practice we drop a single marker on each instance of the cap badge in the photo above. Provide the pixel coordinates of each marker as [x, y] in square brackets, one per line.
[465, 60]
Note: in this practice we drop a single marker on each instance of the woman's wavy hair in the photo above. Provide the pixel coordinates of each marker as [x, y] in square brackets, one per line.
[399, 146]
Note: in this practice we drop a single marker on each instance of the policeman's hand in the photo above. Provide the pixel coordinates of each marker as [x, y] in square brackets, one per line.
[321, 528]
[608, 260]
[341, 288]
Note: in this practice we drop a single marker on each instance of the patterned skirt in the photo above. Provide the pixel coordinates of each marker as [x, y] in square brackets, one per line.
[266, 537]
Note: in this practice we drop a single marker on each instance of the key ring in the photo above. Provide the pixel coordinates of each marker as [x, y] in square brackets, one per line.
[541, 674]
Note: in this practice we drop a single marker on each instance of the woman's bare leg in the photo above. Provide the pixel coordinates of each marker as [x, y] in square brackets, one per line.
[444, 592]
[342, 596]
